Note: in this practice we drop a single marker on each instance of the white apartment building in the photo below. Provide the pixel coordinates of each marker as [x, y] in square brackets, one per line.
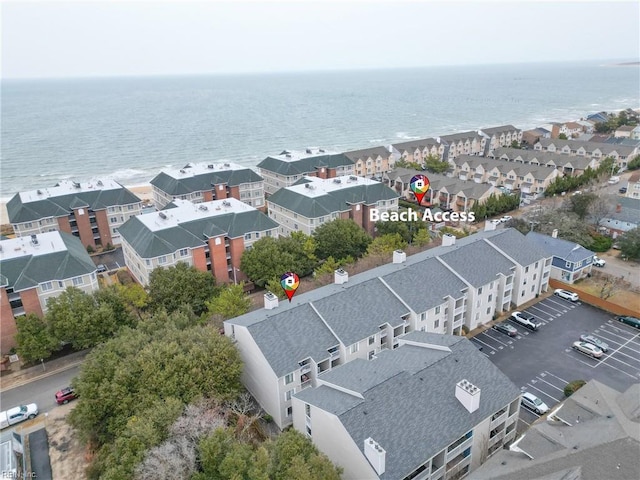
[204, 182]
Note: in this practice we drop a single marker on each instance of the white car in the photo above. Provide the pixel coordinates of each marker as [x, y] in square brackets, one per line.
[532, 402]
[588, 349]
[566, 294]
[526, 320]
[506, 218]
[614, 180]
[598, 262]
[18, 414]
[496, 221]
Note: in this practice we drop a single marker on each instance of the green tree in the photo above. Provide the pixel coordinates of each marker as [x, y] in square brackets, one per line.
[580, 204]
[75, 317]
[169, 288]
[275, 287]
[340, 239]
[634, 164]
[327, 267]
[519, 224]
[421, 237]
[515, 144]
[113, 297]
[34, 338]
[386, 244]
[230, 302]
[435, 165]
[629, 244]
[562, 136]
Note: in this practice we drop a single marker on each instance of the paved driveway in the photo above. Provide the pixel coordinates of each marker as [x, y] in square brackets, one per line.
[543, 362]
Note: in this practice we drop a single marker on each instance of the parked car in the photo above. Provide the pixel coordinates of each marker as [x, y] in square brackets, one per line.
[66, 395]
[532, 402]
[526, 320]
[18, 414]
[577, 192]
[598, 262]
[595, 341]
[496, 221]
[506, 329]
[631, 321]
[102, 268]
[623, 190]
[614, 180]
[505, 218]
[588, 349]
[566, 294]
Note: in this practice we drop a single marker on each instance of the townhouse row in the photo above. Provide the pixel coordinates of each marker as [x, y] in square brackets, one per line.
[622, 154]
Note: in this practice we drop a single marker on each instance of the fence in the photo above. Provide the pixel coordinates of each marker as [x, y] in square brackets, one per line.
[593, 300]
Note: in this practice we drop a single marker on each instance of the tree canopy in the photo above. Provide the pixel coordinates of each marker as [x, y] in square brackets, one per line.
[340, 239]
[230, 302]
[182, 284]
[629, 244]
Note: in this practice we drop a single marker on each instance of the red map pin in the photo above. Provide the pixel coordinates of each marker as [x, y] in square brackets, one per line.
[419, 186]
[290, 282]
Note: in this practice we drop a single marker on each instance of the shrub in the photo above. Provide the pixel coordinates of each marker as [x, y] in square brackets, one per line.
[573, 387]
[90, 249]
[465, 329]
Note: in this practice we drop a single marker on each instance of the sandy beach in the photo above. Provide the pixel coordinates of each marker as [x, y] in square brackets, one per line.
[142, 191]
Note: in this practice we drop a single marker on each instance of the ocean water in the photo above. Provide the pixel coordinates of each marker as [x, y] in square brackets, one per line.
[129, 128]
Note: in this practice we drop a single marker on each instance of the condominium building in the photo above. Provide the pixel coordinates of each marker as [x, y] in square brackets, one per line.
[568, 165]
[417, 151]
[210, 236]
[92, 211]
[571, 261]
[204, 182]
[290, 347]
[35, 269]
[464, 143]
[285, 169]
[622, 154]
[502, 136]
[313, 201]
[433, 408]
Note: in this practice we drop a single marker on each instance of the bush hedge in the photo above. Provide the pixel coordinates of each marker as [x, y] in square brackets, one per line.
[572, 387]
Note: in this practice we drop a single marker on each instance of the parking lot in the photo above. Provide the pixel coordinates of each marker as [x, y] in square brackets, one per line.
[543, 362]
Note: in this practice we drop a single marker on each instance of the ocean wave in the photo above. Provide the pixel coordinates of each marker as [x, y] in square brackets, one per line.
[406, 136]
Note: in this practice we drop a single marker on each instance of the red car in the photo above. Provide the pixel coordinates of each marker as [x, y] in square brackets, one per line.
[65, 395]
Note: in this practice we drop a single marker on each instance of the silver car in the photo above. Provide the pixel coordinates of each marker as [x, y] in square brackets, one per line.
[588, 349]
[595, 341]
[532, 402]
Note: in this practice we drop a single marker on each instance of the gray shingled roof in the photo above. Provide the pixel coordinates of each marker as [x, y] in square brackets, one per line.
[204, 181]
[365, 153]
[149, 244]
[510, 241]
[478, 265]
[63, 205]
[409, 400]
[28, 271]
[333, 201]
[498, 130]
[456, 137]
[304, 165]
[421, 294]
[541, 157]
[297, 334]
[413, 145]
[605, 148]
[564, 249]
[361, 308]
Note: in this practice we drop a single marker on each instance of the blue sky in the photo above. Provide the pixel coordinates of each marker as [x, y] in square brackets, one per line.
[54, 39]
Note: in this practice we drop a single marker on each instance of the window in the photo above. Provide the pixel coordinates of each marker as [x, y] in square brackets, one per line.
[162, 259]
[354, 348]
[371, 354]
[307, 410]
[247, 236]
[436, 324]
[113, 219]
[288, 379]
[423, 316]
[488, 310]
[490, 297]
[184, 252]
[289, 411]
[308, 429]
[480, 291]
[78, 281]
[437, 310]
[371, 340]
[148, 262]
[130, 207]
[60, 284]
[46, 286]
[288, 394]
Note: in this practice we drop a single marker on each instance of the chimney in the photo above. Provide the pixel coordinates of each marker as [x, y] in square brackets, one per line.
[270, 301]
[468, 395]
[489, 226]
[448, 240]
[554, 234]
[375, 454]
[399, 256]
[340, 276]
[618, 208]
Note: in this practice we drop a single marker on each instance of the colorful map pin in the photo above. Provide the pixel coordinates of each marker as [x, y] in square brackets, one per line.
[290, 282]
[419, 186]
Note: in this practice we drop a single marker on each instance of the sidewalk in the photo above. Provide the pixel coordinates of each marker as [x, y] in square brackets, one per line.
[17, 376]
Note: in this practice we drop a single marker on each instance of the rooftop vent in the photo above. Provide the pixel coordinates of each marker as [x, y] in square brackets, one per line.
[309, 151]
[39, 192]
[227, 164]
[204, 208]
[34, 239]
[340, 276]
[320, 150]
[448, 240]
[211, 166]
[375, 454]
[337, 180]
[188, 165]
[99, 183]
[468, 395]
[309, 186]
[554, 234]
[162, 215]
[76, 184]
[353, 178]
[226, 204]
[399, 256]
[270, 301]
[182, 170]
[288, 155]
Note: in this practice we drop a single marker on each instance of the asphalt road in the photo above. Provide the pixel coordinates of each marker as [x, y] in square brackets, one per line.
[112, 260]
[543, 362]
[42, 391]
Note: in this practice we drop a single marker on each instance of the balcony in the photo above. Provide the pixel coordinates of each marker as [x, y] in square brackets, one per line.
[305, 381]
[459, 447]
[437, 473]
[498, 418]
[18, 311]
[457, 461]
[305, 369]
[13, 296]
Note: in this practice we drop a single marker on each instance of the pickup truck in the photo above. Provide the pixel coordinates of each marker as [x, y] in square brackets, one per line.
[18, 414]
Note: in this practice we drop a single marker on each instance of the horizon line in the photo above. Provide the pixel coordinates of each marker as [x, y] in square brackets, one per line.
[603, 62]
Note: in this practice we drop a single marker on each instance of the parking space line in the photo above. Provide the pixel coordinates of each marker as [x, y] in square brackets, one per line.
[604, 359]
[560, 304]
[578, 359]
[615, 334]
[548, 314]
[492, 348]
[616, 368]
[561, 379]
[493, 338]
[543, 392]
[621, 346]
[634, 358]
[526, 423]
[551, 385]
[554, 309]
[612, 325]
